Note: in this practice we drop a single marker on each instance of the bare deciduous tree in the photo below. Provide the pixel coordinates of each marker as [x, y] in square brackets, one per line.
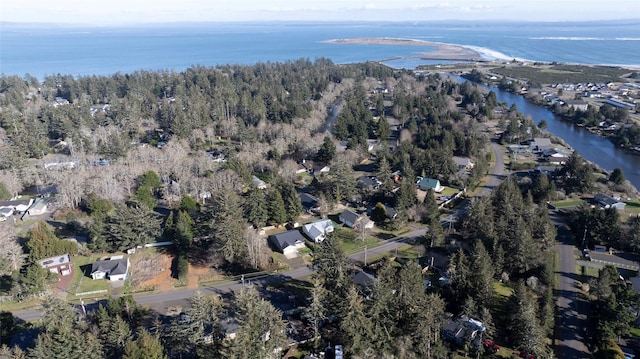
[11, 255]
[257, 249]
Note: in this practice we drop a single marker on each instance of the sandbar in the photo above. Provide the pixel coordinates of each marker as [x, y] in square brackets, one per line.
[440, 51]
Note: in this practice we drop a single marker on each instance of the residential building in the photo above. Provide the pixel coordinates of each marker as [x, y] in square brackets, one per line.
[352, 219]
[309, 202]
[369, 183]
[114, 269]
[7, 208]
[540, 144]
[463, 163]
[605, 201]
[318, 230]
[463, 330]
[260, 184]
[59, 264]
[425, 184]
[288, 242]
[577, 104]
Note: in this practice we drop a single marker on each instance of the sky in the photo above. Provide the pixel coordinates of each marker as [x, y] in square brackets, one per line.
[114, 12]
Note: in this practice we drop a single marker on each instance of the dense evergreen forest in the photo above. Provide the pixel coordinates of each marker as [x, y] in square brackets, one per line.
[131, 159]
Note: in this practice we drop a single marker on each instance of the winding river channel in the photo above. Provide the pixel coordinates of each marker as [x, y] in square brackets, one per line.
[592, 147]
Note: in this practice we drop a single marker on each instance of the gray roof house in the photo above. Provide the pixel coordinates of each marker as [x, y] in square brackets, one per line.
[318, 230]
[113, 269]
[260, 184]
[463, 330]
[352, 219]
[608, 202]
[287, 242]
[539, 144]
[369, 183]
[463, 162]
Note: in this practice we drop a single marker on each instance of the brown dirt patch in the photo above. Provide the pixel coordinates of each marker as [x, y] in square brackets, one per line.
[155, 271]
[194, 275]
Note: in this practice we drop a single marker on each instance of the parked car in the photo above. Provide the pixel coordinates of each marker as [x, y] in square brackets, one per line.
[338, 352]
[524, 354]
[491, 345]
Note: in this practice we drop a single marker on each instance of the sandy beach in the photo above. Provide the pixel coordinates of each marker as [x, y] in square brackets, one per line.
[440, 51]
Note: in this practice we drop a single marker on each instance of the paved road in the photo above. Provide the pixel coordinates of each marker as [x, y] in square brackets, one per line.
[572, 310]
[178, 298]
[497, 172]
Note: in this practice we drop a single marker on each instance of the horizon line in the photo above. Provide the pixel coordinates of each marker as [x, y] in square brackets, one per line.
[220, 22]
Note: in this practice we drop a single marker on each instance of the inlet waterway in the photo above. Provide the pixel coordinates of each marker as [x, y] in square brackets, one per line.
[597, 149]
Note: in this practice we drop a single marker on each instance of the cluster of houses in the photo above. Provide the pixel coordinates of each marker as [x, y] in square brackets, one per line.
[614, 94]
[544, 149]
[30, 206]
[289, 242]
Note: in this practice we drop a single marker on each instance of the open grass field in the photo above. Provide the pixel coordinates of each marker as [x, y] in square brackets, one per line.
[549, 74]
[567, 203]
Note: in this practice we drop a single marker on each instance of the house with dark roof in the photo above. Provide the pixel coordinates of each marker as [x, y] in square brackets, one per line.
[308, 201]
[287, 242]
[7, 208]
[113, 269]
[352, 219]
[605, 201]
[463, 330]
[369, 183]
[364, 279]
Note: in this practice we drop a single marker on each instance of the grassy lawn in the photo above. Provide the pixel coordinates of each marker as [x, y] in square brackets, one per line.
[502, 289]
[353, 246]
[567, 203]
[632, 208]
[17, 306]
[81, 283]
[587, 271]
[449, 191]
[635, 332]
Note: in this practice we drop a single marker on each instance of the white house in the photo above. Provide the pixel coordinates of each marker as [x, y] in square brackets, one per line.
[58, 265]
[425, 184]
[113, 269]
[317, 231]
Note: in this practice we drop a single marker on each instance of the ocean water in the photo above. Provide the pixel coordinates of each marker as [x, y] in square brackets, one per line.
[82, 51]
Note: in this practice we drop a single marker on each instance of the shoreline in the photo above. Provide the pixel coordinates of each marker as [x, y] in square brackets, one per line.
[454, 52]
[442, 51]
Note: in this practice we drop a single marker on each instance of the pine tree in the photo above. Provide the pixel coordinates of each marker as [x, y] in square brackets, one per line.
[183, 232]
[256, 208]
[291, 201]
[64, 335]
[131, 226]
[227, 226]
[356, 324]
[481, 271]
[260, 330]
[146, 346]
[316, 311]
[277, 210]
